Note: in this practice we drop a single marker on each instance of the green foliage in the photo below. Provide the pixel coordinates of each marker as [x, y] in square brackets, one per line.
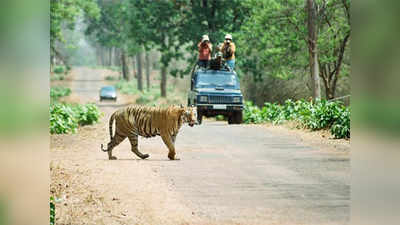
[59, 69]
[52, 211]
[251, 113]
[62, 119]
[87, 114]
[58, 92]
[315, 116]
[110, 78]
[219, 118]
[127, 87]
[273, 42]
[66, 118]
[66, 12]
[152, 96]
[341, 127]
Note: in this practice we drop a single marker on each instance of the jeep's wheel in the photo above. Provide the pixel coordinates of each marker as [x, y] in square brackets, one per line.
[188, 103]
[231, 119]
[199, 117]
[238, 117]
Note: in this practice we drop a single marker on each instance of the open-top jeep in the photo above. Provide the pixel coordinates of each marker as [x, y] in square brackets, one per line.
[216, 92]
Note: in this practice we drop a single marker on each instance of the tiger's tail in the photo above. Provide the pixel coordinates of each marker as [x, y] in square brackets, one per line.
[112, 118]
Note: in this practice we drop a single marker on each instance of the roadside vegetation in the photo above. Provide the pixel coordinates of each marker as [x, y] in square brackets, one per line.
[58, 92]
[110, 78]
[66, 118]
[151, 97]
[317, 115]
[59, 72]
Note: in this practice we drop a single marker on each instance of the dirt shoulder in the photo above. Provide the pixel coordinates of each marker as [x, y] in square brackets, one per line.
[322, 138]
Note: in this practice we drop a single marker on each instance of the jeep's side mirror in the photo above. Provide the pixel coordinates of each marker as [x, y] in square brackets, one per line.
[192, 84]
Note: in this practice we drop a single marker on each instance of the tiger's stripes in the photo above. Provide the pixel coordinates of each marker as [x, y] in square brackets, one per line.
[134, 121]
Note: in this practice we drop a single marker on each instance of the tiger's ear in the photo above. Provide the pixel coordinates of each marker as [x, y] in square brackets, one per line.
[181, 106]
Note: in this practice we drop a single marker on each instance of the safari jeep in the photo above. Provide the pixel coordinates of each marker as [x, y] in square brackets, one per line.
[216, 92]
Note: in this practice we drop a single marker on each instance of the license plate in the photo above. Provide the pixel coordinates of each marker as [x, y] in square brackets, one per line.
[219, 106]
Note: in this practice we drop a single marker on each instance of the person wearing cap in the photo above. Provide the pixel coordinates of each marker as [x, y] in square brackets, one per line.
[228, 51]
[205, 48]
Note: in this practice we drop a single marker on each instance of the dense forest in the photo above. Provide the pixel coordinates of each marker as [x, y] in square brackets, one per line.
[286, 49]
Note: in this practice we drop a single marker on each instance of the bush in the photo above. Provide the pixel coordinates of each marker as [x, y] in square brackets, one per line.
[220, 118]
[341, 127]
[252, 114]
[110, 78]
[315, 116]
[59, 69]
[62, 119]
[58, 92]
[87, 114]
[66, 118]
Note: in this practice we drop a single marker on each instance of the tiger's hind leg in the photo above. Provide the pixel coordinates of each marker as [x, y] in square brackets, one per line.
[116, 140]
[133, 138]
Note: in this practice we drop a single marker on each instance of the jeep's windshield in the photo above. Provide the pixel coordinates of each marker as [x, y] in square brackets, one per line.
[216, 80]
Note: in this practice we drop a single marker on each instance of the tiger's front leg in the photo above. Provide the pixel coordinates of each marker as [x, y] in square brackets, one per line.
[169, 141]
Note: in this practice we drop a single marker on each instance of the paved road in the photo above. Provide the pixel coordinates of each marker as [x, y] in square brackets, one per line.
[241, 174]
[247, 174]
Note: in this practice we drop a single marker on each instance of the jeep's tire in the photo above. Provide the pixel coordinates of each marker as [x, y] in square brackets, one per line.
[238, 117]
[231, 119]
[188, 103]
[199, 117]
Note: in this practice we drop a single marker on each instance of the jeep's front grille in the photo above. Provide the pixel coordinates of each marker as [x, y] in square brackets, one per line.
[220, 99]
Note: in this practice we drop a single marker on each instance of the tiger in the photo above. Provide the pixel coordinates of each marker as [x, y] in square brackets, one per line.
[145, 121]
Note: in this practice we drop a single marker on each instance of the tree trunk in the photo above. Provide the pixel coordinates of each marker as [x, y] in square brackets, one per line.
[134, 74]
[147, 71]
[102, 59]
[330, 93]
[313, 48]
[125, 69]
[110, 57]
[163, 84]
[139, 71]
[59, 57]
[117, 57]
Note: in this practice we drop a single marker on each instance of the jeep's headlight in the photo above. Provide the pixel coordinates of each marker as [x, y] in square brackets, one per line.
[236, 99]
[203, 98]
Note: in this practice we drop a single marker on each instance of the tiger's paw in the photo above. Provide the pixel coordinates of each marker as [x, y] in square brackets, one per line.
[145, 156]
[172, 157]
[112, 158]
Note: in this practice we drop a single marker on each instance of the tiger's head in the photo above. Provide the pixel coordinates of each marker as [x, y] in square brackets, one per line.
[189, 115]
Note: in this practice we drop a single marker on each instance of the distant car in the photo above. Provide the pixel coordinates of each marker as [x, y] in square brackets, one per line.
[108, 93]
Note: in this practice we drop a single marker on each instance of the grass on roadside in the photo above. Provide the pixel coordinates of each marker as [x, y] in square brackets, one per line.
[153, 96]
[316, 115]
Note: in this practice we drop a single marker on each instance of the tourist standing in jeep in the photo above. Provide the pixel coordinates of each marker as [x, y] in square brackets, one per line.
[228, 51]
[205, 48]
